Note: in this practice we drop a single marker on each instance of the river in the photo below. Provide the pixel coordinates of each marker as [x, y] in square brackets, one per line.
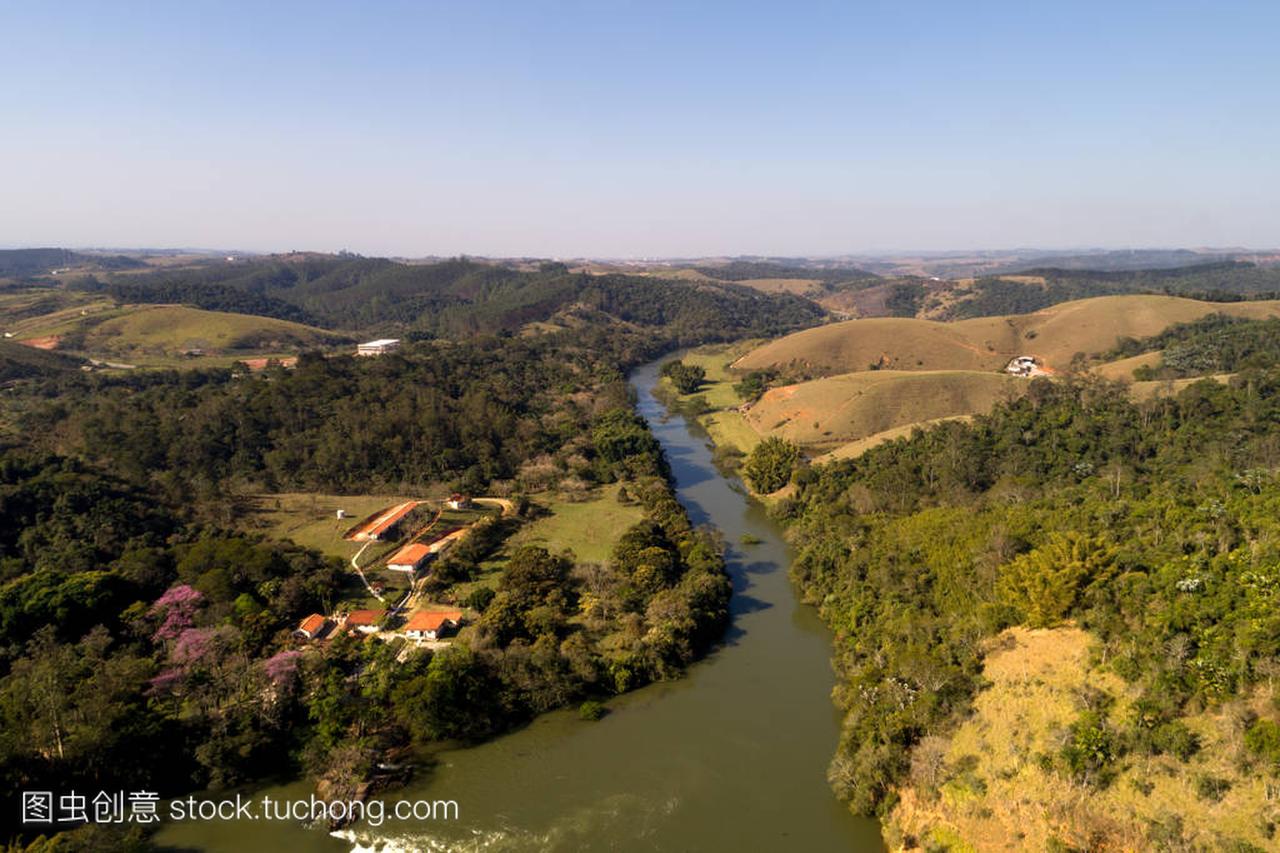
[732, 757]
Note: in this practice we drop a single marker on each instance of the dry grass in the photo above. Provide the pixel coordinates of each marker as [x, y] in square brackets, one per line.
[796, 286]
[1168, 387]
[730, 429]
[898, 343]
[987, 343]
[860, 446]
[1123, 368]
[1008, 801]
[841, 409]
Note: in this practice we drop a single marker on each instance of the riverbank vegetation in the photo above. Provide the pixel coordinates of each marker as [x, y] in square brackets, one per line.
[1149, 525]
[148, 590]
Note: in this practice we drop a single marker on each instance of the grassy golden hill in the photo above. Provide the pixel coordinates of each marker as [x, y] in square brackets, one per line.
[897, 343]
[836, 410]
[984, 785]
[1123, 368]
[929, 371]
[860, 446]
[172, 329]
[987, 343]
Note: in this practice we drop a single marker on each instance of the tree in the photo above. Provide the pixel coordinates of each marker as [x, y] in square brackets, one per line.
[769, 466]
[687, 378]
[1044, 584]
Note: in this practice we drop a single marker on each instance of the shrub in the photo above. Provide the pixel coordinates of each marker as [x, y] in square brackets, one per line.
[1175, 739]
[480, 598]
[1212, 788]
[1045, 583]
[1091, 750]
[770, 464]
[1262, 739]
[687, 378]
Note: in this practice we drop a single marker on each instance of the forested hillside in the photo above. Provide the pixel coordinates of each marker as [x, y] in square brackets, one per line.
[1034, 289]
[136, 609]
[453, 298]
[1218, 343]
[134, 614]
[1151, 525]
[23, 263]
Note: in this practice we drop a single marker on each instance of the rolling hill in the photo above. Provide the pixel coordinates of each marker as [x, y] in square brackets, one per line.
[836, 410]
[1053, 335]
[173, 329]
[23, 362]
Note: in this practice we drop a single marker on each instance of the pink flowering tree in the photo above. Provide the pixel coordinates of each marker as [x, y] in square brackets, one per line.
[282, 668]
[177, 610]
[165, 683]
[193, 647]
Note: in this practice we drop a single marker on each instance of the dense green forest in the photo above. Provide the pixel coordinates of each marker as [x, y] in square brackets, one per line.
[132, 613]
[134, 609]
[28, 263]
[991, 296]
[1152, 525]
[455, 298]
[743, 270]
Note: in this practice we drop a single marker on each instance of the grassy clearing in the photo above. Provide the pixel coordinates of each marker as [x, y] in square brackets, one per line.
[991, 790]
[1123, 368]
[1142, 391]
[856, 448]
[171, 329]
[796, 286]
[587, 528]
[717, 390]
[311, 519]
[730, 429]
[717, 399]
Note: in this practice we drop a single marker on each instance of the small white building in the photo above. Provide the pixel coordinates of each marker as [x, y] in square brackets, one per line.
[379, 347]
[1023, 365]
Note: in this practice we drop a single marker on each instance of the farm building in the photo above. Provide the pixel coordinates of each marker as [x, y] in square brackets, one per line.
[256, 364]
[431, 624]
[385, 523]
[457, 501]
[364, 621]
[378, 347]
[410, 558]
[313, 627]
[1024, 365]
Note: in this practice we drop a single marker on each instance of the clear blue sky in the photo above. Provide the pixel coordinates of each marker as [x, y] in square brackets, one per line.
[639, 129]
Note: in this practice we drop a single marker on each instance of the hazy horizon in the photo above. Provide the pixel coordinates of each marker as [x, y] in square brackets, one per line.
[634, 131]
[1048, 251]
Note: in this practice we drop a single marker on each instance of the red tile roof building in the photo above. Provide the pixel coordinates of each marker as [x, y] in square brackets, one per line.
[409, 558]
[429, 624]
[312, 627]
[364, 620]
